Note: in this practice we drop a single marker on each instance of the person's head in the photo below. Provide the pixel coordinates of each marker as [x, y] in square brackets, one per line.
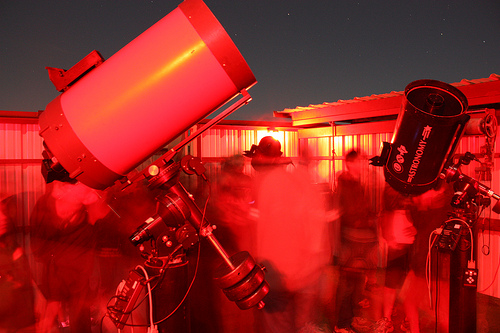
[75, 193]
[267, 154]
[4, 221]
[353, 162]
[233, 164]
[8, 214]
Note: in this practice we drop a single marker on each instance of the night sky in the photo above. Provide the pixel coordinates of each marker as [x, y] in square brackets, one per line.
[301, 52]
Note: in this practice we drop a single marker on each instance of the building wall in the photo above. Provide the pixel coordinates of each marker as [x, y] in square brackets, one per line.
[20, 177]
[324, 149]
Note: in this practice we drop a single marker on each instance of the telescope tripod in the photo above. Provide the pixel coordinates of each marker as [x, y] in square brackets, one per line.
[457, 238]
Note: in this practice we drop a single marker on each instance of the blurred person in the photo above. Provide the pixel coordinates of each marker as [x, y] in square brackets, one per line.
[357, 252]
[408, 221]
[291, 241]
[429, 211]
[17, 300]
[232, 205]
[398, 231]
[63, 241]
[229, 208]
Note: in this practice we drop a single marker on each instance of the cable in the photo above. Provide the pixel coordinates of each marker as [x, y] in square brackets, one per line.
[164, 268]
[111, 309]
[101, 323]
[493, 281]
[485, 249]
[187, 291]
[470, 234]
[196, 266]
[160, 278]
[436, 312]
[428, 264]
[431, 242]
[150, 296]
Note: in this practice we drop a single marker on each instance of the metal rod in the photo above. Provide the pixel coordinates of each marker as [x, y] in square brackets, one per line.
[221, 250]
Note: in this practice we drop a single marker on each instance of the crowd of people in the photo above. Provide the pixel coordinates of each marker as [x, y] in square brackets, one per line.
[333, 261]
[371, 265]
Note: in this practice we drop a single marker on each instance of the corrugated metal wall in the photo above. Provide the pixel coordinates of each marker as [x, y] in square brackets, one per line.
[223, 141]
[488, 250]
[21, 146]
[20, 177]
[327, 153]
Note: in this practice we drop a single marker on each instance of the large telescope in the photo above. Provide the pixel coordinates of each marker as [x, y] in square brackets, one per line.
[113, 115]
[429, 126]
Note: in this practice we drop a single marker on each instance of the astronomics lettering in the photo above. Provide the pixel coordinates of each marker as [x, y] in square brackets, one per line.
[416, 160]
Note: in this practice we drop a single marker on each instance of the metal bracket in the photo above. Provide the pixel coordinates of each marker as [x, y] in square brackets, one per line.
[62, 79]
